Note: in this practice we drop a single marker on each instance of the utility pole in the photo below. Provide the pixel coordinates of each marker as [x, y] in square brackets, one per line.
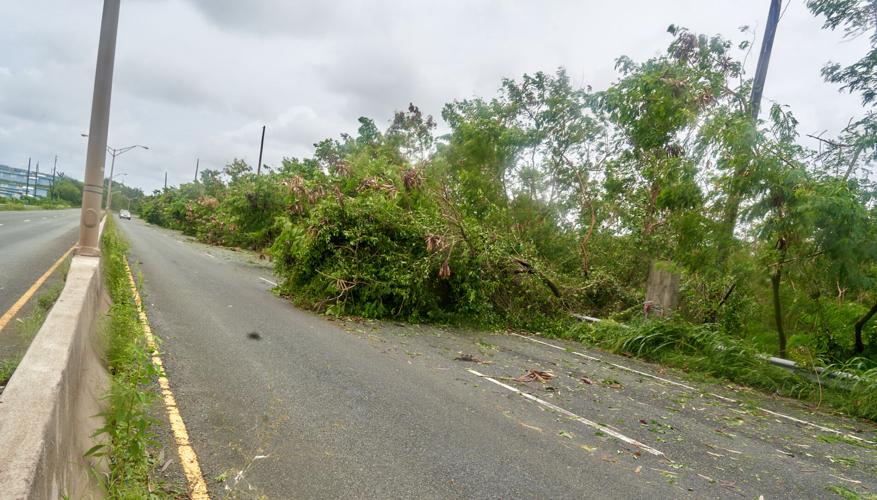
[732, 204]
[36, 179]
[165, 180]
[52, 196]
[97, 133]
[261, 147]
[27, 181]
[770, 31]
[197, 163]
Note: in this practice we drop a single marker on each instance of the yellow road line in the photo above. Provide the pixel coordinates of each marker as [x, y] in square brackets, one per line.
[188, 458]
[8, 315]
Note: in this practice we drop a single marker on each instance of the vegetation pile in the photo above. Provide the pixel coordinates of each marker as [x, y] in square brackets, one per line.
[549, 199]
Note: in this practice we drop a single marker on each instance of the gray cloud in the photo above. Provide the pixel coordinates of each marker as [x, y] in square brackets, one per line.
[198, 78]
[291, 18]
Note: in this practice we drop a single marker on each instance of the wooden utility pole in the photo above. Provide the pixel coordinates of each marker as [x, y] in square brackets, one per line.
[261, 147]
[27, 180]
[55, 166]
[732, 206]
[770, 31]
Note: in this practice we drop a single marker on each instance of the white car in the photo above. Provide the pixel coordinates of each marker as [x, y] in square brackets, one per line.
[124, 214]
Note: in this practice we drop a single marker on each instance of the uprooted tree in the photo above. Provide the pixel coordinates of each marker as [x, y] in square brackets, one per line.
[550, 199]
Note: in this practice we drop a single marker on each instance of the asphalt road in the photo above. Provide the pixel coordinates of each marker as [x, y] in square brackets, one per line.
[287, 404]
[30, 242]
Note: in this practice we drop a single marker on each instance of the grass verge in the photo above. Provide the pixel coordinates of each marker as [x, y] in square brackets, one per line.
[701, 350]
[26, 327]
[18, 206]
[128, 441]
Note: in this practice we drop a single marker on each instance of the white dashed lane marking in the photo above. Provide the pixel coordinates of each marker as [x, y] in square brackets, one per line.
[702, 394]
[551, 406]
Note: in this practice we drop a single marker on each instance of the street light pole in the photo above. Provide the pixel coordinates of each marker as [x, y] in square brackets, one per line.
[114, 152]
[108, 208]
[97, 132]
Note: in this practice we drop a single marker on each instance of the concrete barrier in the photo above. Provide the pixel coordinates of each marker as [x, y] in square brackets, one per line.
[49, 409]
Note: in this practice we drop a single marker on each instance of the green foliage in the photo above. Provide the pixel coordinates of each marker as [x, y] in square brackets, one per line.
[548, 199]
[127, 430]
[69, 190]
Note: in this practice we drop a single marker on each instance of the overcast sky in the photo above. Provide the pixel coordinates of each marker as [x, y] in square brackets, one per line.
[198, 78]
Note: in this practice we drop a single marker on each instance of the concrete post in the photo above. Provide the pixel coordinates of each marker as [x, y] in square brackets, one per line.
[97, 133]
[662, 290]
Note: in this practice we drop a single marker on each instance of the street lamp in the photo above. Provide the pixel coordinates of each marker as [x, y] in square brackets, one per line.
[114, 152]
[89, 219]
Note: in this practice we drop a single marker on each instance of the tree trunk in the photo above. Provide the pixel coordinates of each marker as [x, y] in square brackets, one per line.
[586, 264]
[775, 277]
[860, 346]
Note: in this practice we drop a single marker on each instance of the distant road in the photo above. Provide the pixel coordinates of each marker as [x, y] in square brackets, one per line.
[30, 241]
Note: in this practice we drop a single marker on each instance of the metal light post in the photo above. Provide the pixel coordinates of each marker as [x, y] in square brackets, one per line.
[116, 152]
[97, 140]
[109, 207]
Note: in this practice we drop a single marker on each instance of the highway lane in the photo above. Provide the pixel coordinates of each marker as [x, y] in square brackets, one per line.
[284, 403]
[30, 241]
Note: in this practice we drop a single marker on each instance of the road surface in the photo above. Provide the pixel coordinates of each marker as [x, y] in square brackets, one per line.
[287, 404]
[30, 242]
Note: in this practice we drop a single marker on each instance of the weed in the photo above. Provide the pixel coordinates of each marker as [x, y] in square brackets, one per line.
[127, 435]
[28, 326]
[702, 350]
[848, 494]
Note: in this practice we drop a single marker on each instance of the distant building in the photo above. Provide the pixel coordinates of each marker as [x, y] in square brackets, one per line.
[14, 183]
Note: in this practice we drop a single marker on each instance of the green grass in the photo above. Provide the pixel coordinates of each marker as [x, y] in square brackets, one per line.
[702, 351]
[127, 441]
[34, 205]
[848, 494]
[26, 327]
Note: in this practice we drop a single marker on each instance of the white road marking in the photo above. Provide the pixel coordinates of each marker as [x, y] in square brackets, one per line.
[617, 435]
[712, 394]
[1, 224]
[26, 220]
[622, 367]
[268, 281]
[207, 254]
